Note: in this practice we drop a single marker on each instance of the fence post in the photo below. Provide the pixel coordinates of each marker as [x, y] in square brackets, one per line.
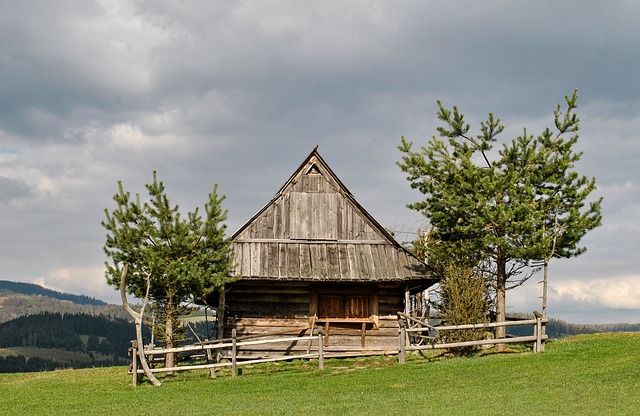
[543, 333]
[402, 341]
[320, 349]
[134, 364]
[538, 334]
[234, 369]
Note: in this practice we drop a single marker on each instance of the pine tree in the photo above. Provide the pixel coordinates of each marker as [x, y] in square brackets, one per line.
[505, 215]
[183, 260]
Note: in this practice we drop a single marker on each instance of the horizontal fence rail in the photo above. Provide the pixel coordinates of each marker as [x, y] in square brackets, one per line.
[204, 350]
[537, 338]
[227, 343]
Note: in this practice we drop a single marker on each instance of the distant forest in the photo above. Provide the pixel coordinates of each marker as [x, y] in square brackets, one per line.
[33, 289]
[104, 340]
[46, 341]
[557, 328]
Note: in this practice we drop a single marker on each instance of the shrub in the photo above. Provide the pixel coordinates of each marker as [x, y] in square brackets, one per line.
[464, 299]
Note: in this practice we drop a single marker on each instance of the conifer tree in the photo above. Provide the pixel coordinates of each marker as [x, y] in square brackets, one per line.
[504, 214]
[184, 260]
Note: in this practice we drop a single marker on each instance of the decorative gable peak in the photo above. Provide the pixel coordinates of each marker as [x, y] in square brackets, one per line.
[313, 170]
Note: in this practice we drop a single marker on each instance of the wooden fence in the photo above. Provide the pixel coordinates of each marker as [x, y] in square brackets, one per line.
[537, 338]
[204, 351]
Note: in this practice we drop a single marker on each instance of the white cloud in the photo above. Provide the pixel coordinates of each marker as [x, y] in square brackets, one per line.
[127, 137]
[88, 281]
[622, 292]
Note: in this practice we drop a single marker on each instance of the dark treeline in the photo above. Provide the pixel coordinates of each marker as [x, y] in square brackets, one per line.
[22, 364]
[17, 305]
[557, 328]
[55, 330]
[96, 341]
[33, 289]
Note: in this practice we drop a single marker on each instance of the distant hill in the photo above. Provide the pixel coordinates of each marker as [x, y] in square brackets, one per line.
[20, 299]
[33, 289]
[557, 328]
[48, 341]
[42, 329]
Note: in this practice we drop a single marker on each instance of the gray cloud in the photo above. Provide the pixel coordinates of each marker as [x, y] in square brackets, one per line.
[13, 190]
[238, 93]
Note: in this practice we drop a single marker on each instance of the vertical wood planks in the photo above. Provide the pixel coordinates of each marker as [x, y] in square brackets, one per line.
[293, 261]
[305, 261]
[319, 232]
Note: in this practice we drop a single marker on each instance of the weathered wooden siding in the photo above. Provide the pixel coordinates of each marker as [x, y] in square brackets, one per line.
[314, 216]
[317, 260]
[266, 299]
[313, 229]
[262, 308]
[342, 337]
[248, 298]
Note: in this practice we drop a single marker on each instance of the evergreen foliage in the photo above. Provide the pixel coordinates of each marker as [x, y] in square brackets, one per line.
[508, 214]
[184, 260]
[464, 299]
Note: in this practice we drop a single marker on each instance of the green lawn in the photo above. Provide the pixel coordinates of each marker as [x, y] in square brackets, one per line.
[585, 375]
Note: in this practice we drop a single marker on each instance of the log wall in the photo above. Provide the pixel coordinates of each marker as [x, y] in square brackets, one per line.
[263, 308]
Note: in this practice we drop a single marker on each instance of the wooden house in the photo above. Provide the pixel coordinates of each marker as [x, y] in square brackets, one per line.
[314, 258]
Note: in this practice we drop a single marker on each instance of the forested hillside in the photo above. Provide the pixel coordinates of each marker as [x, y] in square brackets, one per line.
[21, 299]
[33, 289]
[52, 340]
[14, 305]
[41, 329]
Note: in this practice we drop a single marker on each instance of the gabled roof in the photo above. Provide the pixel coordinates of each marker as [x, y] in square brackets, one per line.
[314, 229]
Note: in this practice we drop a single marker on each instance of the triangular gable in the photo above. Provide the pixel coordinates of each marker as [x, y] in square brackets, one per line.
[313, 204]
[314, 230]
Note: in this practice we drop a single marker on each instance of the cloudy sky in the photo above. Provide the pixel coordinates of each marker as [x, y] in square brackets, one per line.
[239, 93]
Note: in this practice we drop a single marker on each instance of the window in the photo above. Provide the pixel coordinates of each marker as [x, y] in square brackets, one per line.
[344, 303]
[343, 306]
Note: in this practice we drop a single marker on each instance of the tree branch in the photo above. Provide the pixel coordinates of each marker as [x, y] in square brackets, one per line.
[138, 322]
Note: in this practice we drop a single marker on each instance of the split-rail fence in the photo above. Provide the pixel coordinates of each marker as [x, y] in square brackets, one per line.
[410, 329]
[412, 326]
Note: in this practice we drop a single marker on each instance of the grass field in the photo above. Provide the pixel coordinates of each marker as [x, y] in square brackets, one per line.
[585, 375]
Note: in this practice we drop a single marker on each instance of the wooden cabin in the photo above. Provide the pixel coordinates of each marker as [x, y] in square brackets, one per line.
[314, 258]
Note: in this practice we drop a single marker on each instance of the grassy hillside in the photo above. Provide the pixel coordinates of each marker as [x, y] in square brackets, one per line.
[586, 375]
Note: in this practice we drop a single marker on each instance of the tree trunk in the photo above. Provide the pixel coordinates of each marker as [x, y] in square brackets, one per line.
[220, 314]
[138, 322]
[544, 300]
[501, 315]
[171, 359]
[544, 289]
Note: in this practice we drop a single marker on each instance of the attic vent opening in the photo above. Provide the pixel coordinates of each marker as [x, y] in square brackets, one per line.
[313, 170]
